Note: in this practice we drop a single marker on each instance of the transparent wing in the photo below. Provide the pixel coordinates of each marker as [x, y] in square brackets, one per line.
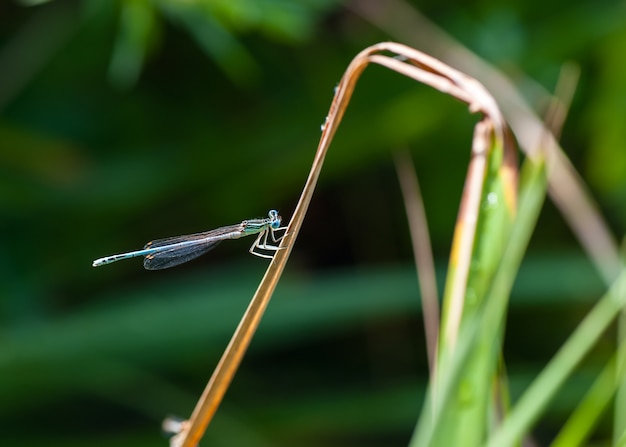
[176, 256]
[180, 249]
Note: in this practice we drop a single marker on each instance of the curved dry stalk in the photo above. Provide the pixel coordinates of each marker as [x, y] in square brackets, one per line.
[567, 190]
[430, 71]
[406, 61]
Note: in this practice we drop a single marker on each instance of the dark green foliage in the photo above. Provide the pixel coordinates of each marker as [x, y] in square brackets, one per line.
[126, 121]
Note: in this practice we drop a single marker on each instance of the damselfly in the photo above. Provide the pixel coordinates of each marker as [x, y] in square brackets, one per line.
[165, 253]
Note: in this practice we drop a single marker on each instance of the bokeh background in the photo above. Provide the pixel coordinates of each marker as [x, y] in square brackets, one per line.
[126, 121]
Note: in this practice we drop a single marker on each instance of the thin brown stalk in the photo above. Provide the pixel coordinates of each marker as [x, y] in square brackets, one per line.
[422, 251]
[405, 60]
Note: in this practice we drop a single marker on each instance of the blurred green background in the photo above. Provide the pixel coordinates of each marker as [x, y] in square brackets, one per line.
[125, 121]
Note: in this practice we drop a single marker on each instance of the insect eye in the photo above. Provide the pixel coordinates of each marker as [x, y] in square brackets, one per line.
[274, 219]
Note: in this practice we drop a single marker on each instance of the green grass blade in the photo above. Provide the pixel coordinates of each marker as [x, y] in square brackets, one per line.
[480, 332]
[535, 399]
[578, 428]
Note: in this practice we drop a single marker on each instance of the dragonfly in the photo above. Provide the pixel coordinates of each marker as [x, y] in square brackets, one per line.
[169, 252]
